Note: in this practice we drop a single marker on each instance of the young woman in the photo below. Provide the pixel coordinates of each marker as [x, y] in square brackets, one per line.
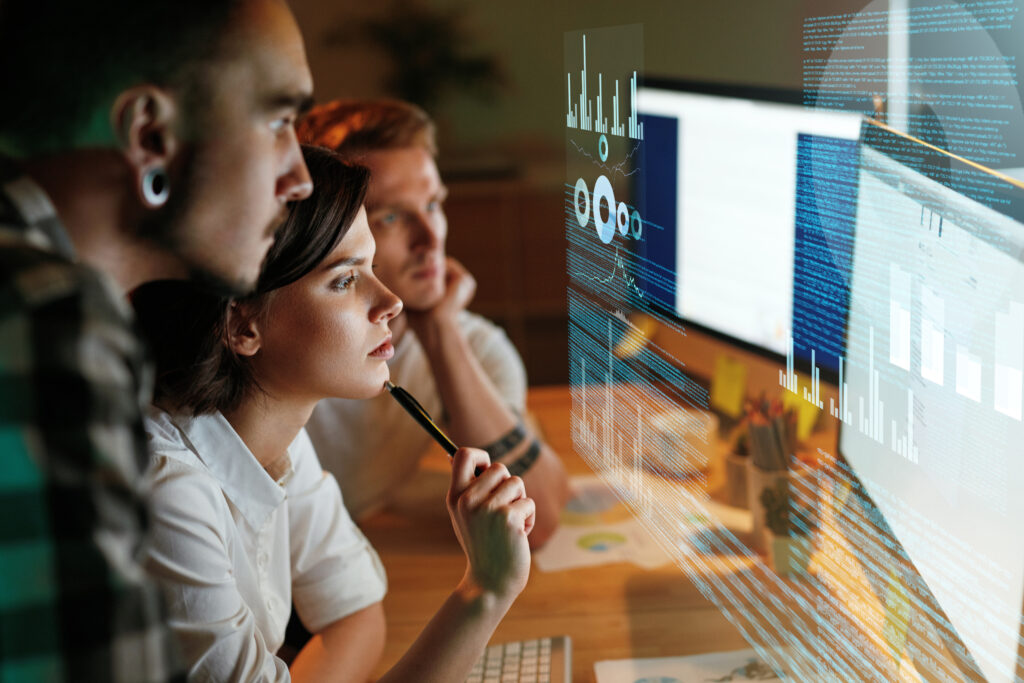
[244, 520]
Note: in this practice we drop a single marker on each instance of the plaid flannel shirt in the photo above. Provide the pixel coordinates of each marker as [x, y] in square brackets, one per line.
[75, 603]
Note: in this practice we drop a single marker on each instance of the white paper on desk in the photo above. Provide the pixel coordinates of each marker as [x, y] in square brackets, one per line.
[598, 529]
[571, 547]
[715, 667]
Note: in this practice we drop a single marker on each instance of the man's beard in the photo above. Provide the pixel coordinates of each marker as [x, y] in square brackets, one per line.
[167, 228]
[236, 288]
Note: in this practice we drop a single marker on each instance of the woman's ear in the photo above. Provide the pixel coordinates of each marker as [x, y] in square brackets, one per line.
[243, 334]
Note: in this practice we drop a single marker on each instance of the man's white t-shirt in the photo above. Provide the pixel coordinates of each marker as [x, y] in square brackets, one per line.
[373, 446]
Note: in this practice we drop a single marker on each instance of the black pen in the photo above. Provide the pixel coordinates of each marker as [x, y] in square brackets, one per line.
[413, 407]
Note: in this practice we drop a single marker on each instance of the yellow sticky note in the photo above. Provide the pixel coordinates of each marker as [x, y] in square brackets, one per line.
[897, 616]
[729, 386]
[641, 329]
[806, 414]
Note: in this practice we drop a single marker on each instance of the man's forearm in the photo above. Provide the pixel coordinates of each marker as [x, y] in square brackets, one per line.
[476, 413]
[478, 416]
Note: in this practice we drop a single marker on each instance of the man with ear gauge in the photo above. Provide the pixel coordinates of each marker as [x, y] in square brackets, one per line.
[139, 140]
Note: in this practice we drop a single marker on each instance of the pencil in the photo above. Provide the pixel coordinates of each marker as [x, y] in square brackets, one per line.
[413, 407]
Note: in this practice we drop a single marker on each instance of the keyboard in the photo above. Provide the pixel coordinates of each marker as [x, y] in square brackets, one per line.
[543, 660]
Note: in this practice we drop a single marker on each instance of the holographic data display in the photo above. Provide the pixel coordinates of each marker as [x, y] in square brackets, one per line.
[912, 526]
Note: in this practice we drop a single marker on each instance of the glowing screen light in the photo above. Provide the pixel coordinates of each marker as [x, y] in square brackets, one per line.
[840, 238]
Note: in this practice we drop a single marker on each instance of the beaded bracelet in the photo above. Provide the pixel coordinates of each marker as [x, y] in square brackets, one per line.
[520, 465]
[507, 443]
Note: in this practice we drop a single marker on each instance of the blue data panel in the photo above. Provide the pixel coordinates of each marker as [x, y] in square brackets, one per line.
[655, 190]
[826, 196]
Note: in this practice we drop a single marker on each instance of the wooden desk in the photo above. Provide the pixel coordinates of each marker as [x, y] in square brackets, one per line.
[611, 612]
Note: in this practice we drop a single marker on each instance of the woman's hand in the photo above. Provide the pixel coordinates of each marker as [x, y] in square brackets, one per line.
[492, 517]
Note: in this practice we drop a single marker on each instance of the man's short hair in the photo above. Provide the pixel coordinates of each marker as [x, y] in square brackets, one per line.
[353, 128]
[62, 63]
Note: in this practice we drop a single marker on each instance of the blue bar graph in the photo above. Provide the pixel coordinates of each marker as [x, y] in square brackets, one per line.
[586, 114]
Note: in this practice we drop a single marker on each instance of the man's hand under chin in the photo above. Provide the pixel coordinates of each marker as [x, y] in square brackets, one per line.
[459, 289]
[476, 412]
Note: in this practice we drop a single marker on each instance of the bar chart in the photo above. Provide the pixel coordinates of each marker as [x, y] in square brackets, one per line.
[813, 395]
[933, 336]
[1009, 361]
[904, 444]
[842, 411]
[871, 421]
[919, 343]
[588, 114]
[871, 409]
[899, 317]
[968, 373]
[596, 433]
[788, 378]
[972, 370]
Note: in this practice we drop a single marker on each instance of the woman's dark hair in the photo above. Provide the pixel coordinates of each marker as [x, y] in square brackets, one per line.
[186, 324]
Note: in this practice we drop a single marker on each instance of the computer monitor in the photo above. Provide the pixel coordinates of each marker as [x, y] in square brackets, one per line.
[931, 420]
[730, 184]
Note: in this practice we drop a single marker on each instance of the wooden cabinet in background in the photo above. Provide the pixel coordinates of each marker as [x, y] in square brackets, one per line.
[510, 234]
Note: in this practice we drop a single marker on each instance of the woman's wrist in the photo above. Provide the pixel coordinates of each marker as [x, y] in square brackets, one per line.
[482, 602]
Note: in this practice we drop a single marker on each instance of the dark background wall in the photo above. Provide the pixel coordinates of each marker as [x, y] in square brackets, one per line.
[504, 159]
[755, 42]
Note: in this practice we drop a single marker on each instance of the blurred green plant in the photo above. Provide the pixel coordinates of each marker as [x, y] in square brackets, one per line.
[431, 52]
[776, 502]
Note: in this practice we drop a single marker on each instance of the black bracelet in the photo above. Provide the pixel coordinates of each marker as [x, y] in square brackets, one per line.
[507, 443]
[520, 465]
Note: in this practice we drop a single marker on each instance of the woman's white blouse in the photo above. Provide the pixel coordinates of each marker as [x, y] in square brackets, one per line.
[233, 548]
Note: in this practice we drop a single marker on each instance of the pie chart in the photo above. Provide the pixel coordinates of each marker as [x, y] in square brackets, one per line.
[600, 541]
[594, 503]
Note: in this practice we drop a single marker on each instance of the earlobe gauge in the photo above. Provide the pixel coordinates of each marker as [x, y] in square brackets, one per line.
[156, 187]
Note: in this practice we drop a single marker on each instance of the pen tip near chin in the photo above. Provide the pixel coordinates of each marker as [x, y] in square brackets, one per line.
[388, 385]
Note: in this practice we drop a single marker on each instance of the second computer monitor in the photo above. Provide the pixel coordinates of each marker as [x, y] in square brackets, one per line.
[932, 405]
[737, 180]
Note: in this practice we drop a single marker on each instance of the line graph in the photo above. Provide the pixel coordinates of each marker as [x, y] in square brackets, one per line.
[617, 168]
[620, 264]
